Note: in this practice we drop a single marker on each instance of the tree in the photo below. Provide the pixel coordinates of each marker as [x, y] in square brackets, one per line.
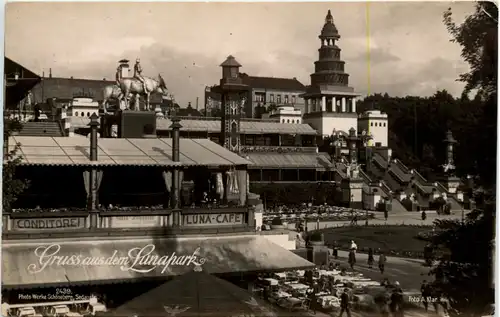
[11, 186]
[464, 274]
[478, 37]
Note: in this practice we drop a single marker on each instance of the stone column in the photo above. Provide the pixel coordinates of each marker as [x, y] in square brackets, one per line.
[306, 106]
[323, 104]
[334, 104]
[343, 104]
[353, 106]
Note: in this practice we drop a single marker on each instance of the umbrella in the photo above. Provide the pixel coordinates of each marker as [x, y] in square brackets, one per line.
[195, 294]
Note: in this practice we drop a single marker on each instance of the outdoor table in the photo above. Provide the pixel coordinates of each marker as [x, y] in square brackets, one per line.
[290, 303]
[280, 295]
[328, 301]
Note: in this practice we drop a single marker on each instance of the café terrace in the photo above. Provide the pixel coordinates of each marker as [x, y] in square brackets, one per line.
[93, 199]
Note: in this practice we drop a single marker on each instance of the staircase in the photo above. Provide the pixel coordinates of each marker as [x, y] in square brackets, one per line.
[50, 129]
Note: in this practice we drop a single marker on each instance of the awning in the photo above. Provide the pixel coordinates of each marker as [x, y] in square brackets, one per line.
[196, 294]
[319, 161]
[94, 262]
[112, 152]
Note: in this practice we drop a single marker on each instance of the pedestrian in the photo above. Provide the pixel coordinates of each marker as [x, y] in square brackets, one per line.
[382, 301]
[381, 262]
[312, 302]
[425, 289]
[352, 259]
[355, 219]
[386, 215]
[370, 258]
[396, 305]
[344, 303]
[424, 215]
[353, 247]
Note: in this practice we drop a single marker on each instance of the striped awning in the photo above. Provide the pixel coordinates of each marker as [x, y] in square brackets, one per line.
[319, 161]
[111, 151]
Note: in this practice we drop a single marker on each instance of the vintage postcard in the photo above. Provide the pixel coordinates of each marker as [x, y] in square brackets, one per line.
[249, 159]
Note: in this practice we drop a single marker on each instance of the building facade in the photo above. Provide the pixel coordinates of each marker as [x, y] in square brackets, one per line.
[376, 124]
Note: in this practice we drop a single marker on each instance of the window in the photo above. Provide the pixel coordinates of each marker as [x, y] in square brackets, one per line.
[293, 121]
[271, 97]
[83, 114]
[88, 114]
[286, 99]
[371, 124]
[278, 99]
[76, 114]
[283, 121]
[384, 124]
[288, 121]
[234, 72]
[376, 124]
[293, 99]
[260, 97]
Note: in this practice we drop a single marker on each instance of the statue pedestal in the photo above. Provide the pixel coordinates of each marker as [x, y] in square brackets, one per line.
[352, 192]
[451, 183]
[136, 124]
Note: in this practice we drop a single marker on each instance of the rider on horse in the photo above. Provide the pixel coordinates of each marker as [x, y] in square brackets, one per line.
[138, 73]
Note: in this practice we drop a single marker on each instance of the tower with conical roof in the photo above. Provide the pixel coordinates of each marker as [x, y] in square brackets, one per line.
[330, 104]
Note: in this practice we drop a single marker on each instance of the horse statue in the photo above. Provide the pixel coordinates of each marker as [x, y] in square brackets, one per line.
[133, 86]
[112, 92]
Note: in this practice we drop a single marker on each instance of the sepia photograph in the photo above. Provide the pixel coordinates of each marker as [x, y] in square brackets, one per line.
[249, 159]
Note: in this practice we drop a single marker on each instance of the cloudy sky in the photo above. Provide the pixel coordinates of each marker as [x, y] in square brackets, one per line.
[410, 52]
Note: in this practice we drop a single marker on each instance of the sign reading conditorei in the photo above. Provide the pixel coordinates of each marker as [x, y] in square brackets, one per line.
[136, 221]
[223, 219]
[48, 223]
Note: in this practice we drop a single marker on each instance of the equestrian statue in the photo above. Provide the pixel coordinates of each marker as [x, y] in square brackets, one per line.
[128, 87]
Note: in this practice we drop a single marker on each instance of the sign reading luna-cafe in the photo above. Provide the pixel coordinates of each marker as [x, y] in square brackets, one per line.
[213, 220]
[48, 223]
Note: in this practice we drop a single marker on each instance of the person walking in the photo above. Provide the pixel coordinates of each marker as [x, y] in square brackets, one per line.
[352, 259]
[396, 305]
[353, 247]
[345, 305]
[370, 258]
[381, 262]
[425, 289]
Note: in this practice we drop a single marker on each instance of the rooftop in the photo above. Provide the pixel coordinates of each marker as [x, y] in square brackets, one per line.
[212, 125]
[274, 83]
[112, 152]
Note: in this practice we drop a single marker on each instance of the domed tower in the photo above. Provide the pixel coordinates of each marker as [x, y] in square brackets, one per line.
[329, 102]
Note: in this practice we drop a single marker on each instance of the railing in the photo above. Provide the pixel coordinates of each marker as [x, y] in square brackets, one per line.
[218, 119]
[385, 188]
[441, 188]
[400, 178]
[134, 222]
[419, 177]
[278, 149]
[402, 167]
[365, 177]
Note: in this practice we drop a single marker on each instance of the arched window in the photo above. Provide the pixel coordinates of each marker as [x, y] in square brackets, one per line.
[83, 114]
[283, 121]
[288, 121]
[88, 114]
[76, 113]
